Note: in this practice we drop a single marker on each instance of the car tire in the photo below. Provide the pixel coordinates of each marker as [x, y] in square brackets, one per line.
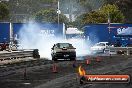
[54, 59]
[104, 50]
[72, 59]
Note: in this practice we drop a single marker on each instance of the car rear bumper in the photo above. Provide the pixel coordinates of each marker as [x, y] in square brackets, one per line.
[97, 51]
[64, 55]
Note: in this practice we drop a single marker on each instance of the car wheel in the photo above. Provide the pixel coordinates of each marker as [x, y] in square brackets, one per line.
[54, 59]
[104, 50]
[72, 59]
[0, 48]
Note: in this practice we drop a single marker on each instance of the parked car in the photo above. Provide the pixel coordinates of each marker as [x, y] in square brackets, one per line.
[4, 46]
[100, 47]
[63, 51]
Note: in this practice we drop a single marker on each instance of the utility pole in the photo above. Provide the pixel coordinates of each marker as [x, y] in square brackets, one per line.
[70, 11]
[109, 32]
[109, 26]
[58, 11]
[11, 36]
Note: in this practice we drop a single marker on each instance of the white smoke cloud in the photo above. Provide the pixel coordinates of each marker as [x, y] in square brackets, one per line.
[82, 48]
[31, 38]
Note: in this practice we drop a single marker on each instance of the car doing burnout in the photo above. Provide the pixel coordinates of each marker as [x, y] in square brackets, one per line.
[63, 51]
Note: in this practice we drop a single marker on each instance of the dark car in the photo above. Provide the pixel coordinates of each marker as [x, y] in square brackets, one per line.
[63, 51]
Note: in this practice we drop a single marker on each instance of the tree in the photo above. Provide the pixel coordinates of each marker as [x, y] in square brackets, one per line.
[21, 10]
[101, 15]
[4, 11]
[49, 15]
[113, 11]
[125, 7]
[90, 5]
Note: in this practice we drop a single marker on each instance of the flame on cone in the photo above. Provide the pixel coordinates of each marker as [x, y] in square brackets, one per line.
[81, 71]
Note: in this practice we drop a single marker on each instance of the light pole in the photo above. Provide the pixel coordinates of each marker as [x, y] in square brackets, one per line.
[58, 11]
[109, 31]
[109, 26]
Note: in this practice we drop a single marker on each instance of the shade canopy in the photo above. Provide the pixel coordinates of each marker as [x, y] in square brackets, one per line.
[73, 31]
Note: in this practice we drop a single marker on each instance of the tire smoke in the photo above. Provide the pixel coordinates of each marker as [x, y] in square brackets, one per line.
[31, 37]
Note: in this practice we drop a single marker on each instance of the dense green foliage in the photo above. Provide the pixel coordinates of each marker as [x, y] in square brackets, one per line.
[116, 16]
[49, 15]
[101, 15]
[126, 8]
[23, 9]
[4, 11]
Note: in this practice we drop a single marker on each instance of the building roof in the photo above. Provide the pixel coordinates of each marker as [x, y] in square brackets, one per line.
[73, 31]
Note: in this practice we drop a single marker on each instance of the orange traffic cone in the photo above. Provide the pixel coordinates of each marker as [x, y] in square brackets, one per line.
[98, 59]
[54, 68]
[88, 61]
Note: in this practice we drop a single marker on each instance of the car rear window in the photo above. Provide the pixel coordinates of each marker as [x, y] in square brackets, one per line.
[100, 44]
[66, 45]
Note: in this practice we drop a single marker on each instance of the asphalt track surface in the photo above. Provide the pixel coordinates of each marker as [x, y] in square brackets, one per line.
[39, 73]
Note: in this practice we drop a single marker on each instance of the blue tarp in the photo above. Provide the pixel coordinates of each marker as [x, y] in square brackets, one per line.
[4, 32]
[43, 28]
[102, 33]
[49, 28]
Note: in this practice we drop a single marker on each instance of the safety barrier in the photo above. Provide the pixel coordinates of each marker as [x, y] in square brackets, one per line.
[6, 55]
[128, 50]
